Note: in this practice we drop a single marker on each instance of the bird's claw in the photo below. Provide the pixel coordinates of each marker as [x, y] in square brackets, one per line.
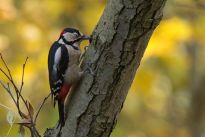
[85, 48]
[89, 69]
[83, 55]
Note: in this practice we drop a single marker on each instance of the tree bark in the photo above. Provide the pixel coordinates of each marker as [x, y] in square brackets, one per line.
[119, 41]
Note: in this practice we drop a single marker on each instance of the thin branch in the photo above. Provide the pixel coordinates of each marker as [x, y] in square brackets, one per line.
[10, 78]
[19, 96]
[8, 90]
[41, 107]
[5, 74]
[6, 66]
[27, 107]
[17, 103]
[22, 82]
[9, 109]
[4, 106]
[33, 128]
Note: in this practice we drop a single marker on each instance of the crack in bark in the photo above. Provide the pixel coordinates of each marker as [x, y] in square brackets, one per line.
[116, 75]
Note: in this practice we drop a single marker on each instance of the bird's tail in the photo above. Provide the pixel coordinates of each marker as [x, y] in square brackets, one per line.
[61, 98]
[61, 113]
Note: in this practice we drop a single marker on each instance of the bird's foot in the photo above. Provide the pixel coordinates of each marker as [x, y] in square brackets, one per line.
[89, 69]
[83, 54]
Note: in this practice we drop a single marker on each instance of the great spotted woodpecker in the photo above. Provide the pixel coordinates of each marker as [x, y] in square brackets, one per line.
[63, 66]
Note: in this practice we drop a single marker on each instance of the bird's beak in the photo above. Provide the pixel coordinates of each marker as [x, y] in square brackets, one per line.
[84, 37]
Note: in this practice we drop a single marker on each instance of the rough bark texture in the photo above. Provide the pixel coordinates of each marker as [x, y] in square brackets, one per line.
[119, 42]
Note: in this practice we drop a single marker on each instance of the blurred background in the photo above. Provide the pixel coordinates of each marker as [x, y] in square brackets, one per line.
[167, 97]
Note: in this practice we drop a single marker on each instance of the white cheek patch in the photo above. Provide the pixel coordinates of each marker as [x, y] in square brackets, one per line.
[69, 36]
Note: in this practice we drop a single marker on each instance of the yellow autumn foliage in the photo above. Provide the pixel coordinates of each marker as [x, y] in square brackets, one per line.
[168, 36]
[160, 98]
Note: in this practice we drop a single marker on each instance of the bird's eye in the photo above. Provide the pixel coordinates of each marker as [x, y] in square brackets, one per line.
[76, 35]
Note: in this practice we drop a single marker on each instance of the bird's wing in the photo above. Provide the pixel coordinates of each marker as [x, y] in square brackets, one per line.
[57, 65]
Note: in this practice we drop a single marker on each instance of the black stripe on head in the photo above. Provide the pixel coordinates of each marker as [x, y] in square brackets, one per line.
[71, 30]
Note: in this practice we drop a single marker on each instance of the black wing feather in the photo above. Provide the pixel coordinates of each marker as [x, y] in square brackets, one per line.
[61, 68]
[63, 65]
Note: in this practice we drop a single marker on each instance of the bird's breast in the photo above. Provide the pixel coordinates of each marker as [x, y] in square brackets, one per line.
[74, 56]
[72, 74]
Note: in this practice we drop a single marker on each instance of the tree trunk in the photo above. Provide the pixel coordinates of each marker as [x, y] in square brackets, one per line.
[196, 82]
[118, 44]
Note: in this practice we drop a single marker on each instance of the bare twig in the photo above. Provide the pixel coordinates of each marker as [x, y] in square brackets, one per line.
[5, 74]
[11, 95]
[28, 117]
[27, 107]
[19, 96]
[6, 66]
[8, 90]
[41, 107]
[22, 82]
[10, 78]
[4, 106]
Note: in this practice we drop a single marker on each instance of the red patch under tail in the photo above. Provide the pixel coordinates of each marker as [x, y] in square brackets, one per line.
[63, 92]
[61, 98]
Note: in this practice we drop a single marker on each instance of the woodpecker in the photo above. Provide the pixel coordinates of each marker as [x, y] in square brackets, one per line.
[63, 66]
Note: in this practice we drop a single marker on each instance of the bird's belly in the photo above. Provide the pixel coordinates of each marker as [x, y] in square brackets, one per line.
[73, 74]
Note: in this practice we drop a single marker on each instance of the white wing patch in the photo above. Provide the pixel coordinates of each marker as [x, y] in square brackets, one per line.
[57, 59]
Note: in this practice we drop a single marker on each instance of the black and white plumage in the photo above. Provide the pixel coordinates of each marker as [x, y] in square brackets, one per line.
[58, 60]
[63, 66]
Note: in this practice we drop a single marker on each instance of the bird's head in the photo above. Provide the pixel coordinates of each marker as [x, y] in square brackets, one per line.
[72, 36]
